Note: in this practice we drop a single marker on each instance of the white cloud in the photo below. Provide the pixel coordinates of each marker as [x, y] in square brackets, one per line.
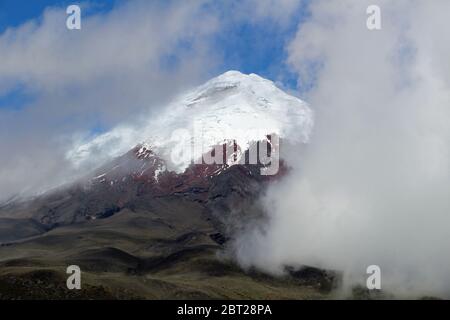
[111, 71]
[128, 40]
[372, 187]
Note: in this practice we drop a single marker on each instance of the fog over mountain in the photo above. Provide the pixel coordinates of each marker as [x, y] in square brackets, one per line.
[372, 186]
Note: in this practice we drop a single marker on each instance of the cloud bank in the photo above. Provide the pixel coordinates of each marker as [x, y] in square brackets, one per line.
[373, 185]
[122, 63]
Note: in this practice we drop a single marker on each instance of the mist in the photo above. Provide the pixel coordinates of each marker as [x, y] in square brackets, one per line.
[372, 186]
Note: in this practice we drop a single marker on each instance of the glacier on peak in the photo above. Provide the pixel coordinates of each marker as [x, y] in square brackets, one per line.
[231, 106]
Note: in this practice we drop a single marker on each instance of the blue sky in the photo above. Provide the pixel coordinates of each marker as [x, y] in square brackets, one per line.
[15, 12]
[245, 46]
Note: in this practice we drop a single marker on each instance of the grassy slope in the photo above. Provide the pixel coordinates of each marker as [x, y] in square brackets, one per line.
[140, 255]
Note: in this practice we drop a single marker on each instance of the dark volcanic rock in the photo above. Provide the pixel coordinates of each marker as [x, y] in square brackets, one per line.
[138, 179]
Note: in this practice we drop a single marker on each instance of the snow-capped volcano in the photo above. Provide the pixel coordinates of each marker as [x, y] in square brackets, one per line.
[133, 172]
[232, 106]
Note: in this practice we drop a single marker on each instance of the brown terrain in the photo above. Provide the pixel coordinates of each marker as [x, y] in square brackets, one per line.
[137, 234]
